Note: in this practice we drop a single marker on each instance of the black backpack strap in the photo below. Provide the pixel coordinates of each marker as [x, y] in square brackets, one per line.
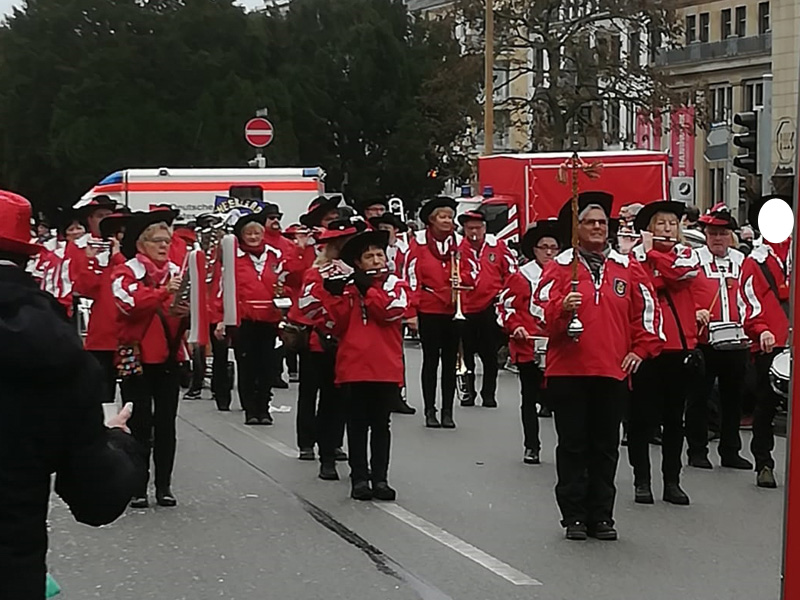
[674, 311]
[773, 286]
[173, 344]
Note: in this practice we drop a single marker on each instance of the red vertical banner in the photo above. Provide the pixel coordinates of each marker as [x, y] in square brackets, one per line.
[682, 141]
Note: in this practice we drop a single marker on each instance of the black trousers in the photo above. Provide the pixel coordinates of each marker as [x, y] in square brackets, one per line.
[767, 402]
[321, 423]
[221, 382]
[530, 383]
[106, 360]
[254, 345]
[439, 335]
[587, 413]
[729, 368]
[154, 394]
[198, 367]
[369, 407]
[481, 336]
[292, 359]
[659, 395]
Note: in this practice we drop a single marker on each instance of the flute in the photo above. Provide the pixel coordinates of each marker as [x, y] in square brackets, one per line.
[656, 238]
[99, 245]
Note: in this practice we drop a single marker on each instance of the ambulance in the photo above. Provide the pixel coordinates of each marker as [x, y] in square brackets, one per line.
[196, 191]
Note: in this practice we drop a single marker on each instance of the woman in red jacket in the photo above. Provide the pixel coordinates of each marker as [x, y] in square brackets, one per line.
[151, 327]
[369, 319]
[662, 384]
[429, 275]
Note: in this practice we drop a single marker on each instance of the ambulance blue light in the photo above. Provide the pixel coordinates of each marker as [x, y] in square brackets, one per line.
[313, 172]
[115, 177]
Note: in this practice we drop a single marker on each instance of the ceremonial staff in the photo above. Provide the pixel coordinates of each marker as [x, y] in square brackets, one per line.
[569, 172]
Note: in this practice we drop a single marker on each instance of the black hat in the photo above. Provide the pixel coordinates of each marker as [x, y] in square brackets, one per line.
[259, 217]
[114, 223]
[362, 205]
[96, 203]
[388, 218]
[471, 215]
[138, 222]
[439, 202]
[537, 231]
[642, 219]
[755, 207]
[318, 208]
[65, 217]
[339, 228]
[585, 199]
[270, 210]
[355, 246]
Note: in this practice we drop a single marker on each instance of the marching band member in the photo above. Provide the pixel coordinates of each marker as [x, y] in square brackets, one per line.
[151, 329]
[586, 377]
[369, 209]
[718, 300]
[766, 274]
[322, 423]
[56, 280]
[369, 317]
[321, 211]
[662, 383]
[300, 236]
[431, 259]
[489, 264]
[539, 245]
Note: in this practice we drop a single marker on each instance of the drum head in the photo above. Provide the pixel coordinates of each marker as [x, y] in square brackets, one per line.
[782, 365]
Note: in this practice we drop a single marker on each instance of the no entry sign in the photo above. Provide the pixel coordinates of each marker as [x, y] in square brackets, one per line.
[258, 132]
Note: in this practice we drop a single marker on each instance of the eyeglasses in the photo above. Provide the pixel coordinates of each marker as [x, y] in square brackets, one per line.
[159, 240]
[547, 248]
[595, 222]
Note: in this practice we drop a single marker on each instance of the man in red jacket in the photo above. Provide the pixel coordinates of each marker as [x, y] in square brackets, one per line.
[369, 319]
[766, 275]
[586, 377]
[487, 266]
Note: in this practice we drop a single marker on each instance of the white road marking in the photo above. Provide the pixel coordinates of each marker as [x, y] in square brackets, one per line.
[465, 549]
[267, 441]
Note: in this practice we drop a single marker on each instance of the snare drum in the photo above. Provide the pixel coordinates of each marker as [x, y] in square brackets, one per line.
[540, 352]
[780, 373]
[727, 336]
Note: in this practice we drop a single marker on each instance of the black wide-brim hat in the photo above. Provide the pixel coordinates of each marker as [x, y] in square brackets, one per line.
[431, 205]
[388, 218]
[259, 217]
[96, 203]
[138, 222]
[318, 208]
[642, 220]
[540, 229]
[340, 228]
[602, 199]
[272, 210]
[114, 223]
[66, 216]
[355, 246]
[755, 207]
[362, 205]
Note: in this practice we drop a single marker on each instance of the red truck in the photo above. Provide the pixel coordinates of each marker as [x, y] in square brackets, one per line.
[519, 189]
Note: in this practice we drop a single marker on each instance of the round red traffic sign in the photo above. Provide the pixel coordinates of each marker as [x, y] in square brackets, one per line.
[258, 132]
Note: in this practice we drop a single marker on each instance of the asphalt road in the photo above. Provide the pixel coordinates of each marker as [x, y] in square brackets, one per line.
[471, 522]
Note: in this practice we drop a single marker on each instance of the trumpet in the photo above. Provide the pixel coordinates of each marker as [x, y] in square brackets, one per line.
[455, 285]
[656, 238]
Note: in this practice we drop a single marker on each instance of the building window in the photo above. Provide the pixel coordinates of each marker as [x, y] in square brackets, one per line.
[763, 18]
[502, 78]
[705, 27]
[721, 104]
[725, 23]
[691, 29]
[741, 21]
[613, 120]
[753, 95]
[716, 180]
[635, 58]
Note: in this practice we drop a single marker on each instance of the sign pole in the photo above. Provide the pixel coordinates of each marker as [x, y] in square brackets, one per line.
[764, 151]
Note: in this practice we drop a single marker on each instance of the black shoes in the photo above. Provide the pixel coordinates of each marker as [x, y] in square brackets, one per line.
[382, 491]
[489, 402]
[576, 531]
[166, 498]
[307, 454]
[327, 472]
[700, 461]
[294, 377]
[675, 495]
[447, 420]
[403, 408]
[280, 384]
[361, 491]
[252, 421]
[766, 479]
[736, 462]
[531, 457]
[339, 455]
[544, 412]
[643, 494]
[266, 420]
[603, 531]
[193, 395]
[431, 420]
[139, 502]
[468, 402]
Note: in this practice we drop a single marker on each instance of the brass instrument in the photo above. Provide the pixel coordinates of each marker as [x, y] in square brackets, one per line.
[455, 284]
[184, 290]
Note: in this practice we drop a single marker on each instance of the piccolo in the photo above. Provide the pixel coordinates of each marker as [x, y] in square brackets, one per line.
[99, 245]
[368, 272]
[656, 238]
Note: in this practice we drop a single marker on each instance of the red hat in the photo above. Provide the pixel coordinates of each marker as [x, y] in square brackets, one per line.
[340, 228]
[719, 215]
[471, 215]
[296, 229]
[15, 225]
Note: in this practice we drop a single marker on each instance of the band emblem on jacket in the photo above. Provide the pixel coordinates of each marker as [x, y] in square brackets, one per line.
[620, 285]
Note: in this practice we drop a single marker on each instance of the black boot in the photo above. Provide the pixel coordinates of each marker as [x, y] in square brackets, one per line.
[675, 495]
[643, 493]
[361, 491]
[603, 531]
[447, 419]
[327, 471]
[700, 461]
[488, 402]
[382, 491]
[431, 420]
[576, 531]
[471, 394]
[165, 497]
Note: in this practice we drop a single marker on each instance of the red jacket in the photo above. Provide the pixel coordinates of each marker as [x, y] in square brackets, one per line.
[717, 288]
[515, 309]
[429, 276]
[48, 266]
[313, 306]
[370, 332]
[103, 332]
[763, 311]
[397, 258]
[182, 242]
[487, 269]
[673, 274]
[77, 270]
[256, 278]
[619, 315]
[138, 300]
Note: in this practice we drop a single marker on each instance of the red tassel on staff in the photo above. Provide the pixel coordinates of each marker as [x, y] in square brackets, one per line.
[198, 299]
[230, 246]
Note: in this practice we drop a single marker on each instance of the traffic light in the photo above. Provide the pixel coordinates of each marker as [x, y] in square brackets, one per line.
[747, 140]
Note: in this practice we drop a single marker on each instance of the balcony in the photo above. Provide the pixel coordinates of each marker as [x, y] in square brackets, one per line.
[732, 48]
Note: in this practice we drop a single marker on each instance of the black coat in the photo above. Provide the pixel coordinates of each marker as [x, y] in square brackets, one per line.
[51, 421]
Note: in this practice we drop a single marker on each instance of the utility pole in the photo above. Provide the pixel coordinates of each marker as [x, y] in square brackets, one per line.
[488, 104]
[765, 139]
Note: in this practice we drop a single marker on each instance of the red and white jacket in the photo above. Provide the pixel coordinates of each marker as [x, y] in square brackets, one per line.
[515, 308]
[138, 300]
[370, 332]
[620, 314]
[763, 310]
[487, 269]
[313, 305]
[717, 288]
[429, 276]
[397, 258]
[256, 278]
[47, 267]
[673, 274]
[103, 331]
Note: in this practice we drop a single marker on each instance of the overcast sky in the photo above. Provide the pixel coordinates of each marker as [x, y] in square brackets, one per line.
[6, 5]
